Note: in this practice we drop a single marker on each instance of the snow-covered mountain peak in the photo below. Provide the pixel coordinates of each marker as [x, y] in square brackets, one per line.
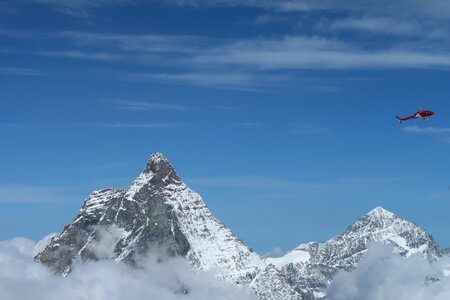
[381, 213]
[157, 157]
[160, 212]
[383, 226]
[159, 171]
[157, 162]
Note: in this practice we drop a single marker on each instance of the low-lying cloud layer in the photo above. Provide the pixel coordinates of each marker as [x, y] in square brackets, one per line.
[22, 278]
[383, 275]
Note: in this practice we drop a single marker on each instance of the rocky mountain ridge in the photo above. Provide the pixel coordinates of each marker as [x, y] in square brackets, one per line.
[159, 211]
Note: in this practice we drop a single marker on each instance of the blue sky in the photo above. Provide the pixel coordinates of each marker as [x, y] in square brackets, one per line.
[279, 113]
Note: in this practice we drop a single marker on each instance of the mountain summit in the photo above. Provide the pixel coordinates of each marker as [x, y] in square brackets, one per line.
[161, 168]
[159, 212]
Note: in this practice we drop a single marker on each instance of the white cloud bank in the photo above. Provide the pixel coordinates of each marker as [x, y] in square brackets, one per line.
[22, 278]
[383, 275]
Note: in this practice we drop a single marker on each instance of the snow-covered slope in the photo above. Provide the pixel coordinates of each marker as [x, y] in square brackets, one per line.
[158, 211]
[311, 267]
[298, 255]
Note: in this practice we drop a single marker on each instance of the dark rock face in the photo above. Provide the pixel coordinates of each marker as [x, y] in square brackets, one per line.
[120, 224]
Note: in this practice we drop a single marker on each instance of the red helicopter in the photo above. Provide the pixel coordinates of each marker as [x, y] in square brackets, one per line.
[422, 114]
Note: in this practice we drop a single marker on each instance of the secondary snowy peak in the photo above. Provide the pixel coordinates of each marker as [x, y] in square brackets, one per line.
[381, 213]
[377, 219]
[383, 226]
[379, 225]
[311, 267]
[160, 212]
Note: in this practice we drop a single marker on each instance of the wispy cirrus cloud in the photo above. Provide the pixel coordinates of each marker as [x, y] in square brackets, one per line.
[308, 129]
[80, 44]
[146, 125]
[81, 55]
[269, 19]
[426, 130]
[248, 181]
[146, 105]
[226, 107]
[400, 29]
[131, 105]
[36, 194]
[8, 7]
[232, 80]
[271, 182]
[437, 8]
[248, 124]
[148, 43]
[16, 71]
[245, 63]
[244, 59]
[306, 52]
[80, 8]
[250, 63]
[155, 125]
[17, 33]
[417, 8]
[377, 25]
